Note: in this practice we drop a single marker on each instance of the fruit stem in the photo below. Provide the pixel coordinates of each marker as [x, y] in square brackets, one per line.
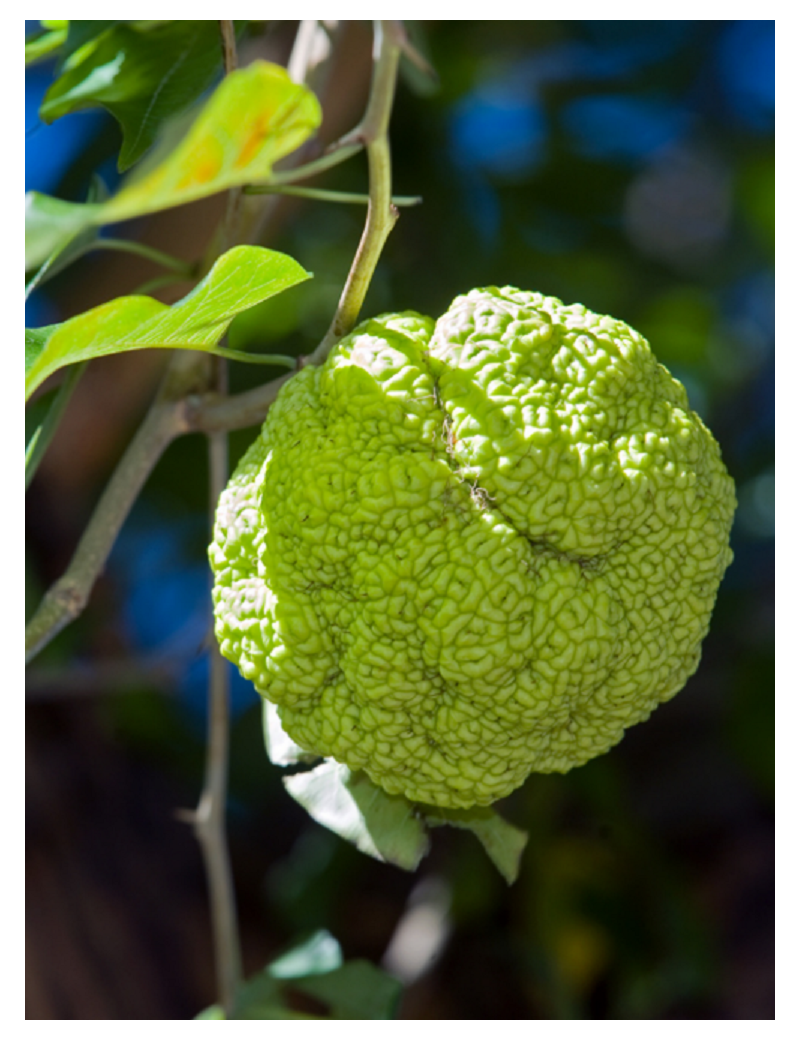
[381, 212]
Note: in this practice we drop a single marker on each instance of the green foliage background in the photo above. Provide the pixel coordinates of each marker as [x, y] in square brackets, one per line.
[618, 164]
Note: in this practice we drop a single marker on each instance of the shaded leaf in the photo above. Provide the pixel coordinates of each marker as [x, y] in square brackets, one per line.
[241, 278]
[264, 996]
[141, 76]
[81, 33]
[35, 416]
[281, 749]
[255, 117]
[259, 997]
[357, 990]
[503, 842]
[42, 419]
[381, 825]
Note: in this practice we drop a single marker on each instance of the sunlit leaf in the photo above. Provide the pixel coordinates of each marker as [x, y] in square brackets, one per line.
[42, 45]
[241, 278]
[51, 223]
[213, 1013]
[141, 77]
[503, 842]
[256, 116]
[313, 956]
[281, 749]
[381, 825]
[70, 247]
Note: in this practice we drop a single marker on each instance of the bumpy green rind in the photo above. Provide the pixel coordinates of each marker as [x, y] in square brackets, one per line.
[459, 554]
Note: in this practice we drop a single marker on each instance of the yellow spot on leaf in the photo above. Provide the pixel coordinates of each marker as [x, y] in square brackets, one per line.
[204, 163]
[255, 139]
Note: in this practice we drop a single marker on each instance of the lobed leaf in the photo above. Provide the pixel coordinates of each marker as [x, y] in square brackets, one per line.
[255, 117]
[241, 278]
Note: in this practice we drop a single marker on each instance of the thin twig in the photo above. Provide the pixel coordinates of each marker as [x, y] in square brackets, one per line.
[324, 195]
[129, 245]
[66, 599]
[212, 412]
[336, 155]
[230, 61]
[209, 819]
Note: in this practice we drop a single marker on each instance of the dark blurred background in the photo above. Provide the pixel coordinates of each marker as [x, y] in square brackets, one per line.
[627, 165]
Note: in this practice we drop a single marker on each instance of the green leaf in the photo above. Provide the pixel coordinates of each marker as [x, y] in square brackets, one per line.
[141, 77]
[41, 45]
[35, 416]
[70, 247]
[264, 996]
[50, 225]
[503, 842]
[42, 419]
[381, 825]
[241, 278]
[313, 956]
[213, 1013]
[356, 990]
[255, 117]
[79, 34]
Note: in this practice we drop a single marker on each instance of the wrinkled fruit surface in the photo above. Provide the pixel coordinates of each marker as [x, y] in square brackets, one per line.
[464, 552]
